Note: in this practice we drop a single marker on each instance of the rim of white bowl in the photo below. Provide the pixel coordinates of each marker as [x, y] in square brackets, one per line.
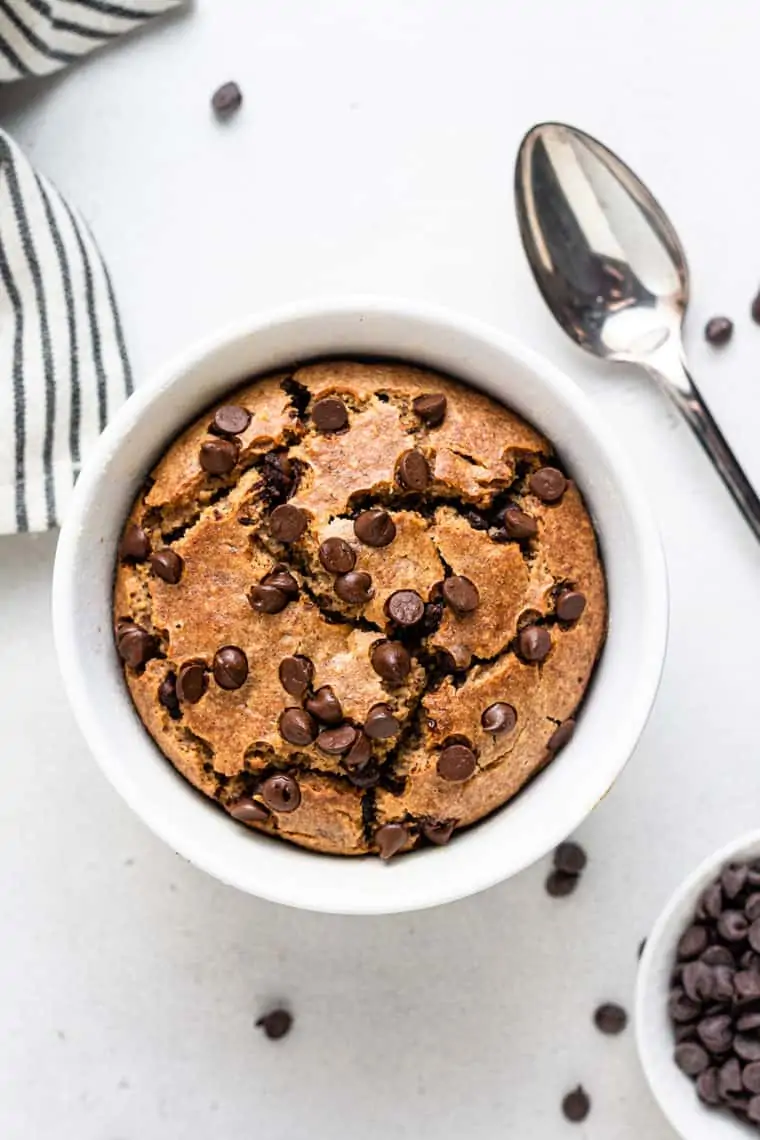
[649, 544]
[654, 1042]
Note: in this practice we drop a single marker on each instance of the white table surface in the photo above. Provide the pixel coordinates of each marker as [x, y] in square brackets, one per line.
[375, 153]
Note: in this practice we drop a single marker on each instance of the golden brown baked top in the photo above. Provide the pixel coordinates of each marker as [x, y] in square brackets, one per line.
[358, 605]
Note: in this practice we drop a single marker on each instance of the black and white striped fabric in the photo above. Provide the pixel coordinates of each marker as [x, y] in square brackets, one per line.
[63, 361]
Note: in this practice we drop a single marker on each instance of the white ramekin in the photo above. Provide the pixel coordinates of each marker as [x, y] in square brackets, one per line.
[621, 694]
[675, 1092]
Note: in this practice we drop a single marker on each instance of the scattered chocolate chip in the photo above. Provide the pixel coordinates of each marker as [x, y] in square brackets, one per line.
[561, 736]
[329, 414]
[412, 471]
[267, 599]
[219, 456]
[354, 588]
[297, 727]
[610, 1018]
[381, 723]
[296, 675]
[439, 831]
[707, 1086]
[336, 741]
[248, 810]
[548, 484]
[390, 838]
[281, 792]
[499, 717]
[719, 330]
[227, 99]
[391, 660]
[230, 667]
[359, 752]
[287, 523]
[518, 524]
[576, 1105]
[135, 645]
[570, 858]
[192, 681]
[559, 884]
[276, 1024]
[134, 545]
[461, 594]
[231, 420]
[570, 605]
[167, 565]
[456, 763]
[325, 706]
[405, 608]
[431, 409]
[337, 556]
[715, 1032]
[691, 1058]
[534, 643]
[375, 528]
[733, 926]
[167, 694]
[281, 578]
[692, 942]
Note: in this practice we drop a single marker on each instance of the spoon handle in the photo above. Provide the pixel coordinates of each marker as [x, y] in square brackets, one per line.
[686, 396]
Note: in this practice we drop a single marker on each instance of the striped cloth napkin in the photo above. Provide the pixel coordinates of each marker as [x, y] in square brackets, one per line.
[63, 360]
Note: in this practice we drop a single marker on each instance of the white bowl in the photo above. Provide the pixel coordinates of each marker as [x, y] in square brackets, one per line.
[623, 688]
[675, 1092]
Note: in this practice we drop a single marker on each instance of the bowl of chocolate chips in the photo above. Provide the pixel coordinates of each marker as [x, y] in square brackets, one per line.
[698, 998]
[359, 606]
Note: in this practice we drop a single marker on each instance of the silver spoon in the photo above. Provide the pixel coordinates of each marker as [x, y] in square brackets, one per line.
[613, 272]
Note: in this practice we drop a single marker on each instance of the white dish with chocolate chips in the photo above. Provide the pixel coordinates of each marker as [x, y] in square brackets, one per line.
[358, 604]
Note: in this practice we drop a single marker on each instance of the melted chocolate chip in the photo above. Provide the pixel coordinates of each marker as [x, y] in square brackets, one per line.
[135, 645]
[267, 599]
[134, 545]
[561, 736]
[337, 556]
[518, 524]
[375, 528]
[336, 741]
[329, 414]
[354, 588]
[219, 456]
[431, 408]
[167, 565]
[296, 675]
[359, 753]
[230, 667]
[281, 792]
[413, 472]
[381, 723]
[461, 594]
[438, 831]
[287, 523]
[167, 694]
[456, 763]
[281, 578]
[570, 605]
[248, 810]
[192, 681]
[325, 706]
[297, 727]
[534, 643]
[391, 660]
[499, 717]
[405, 608]
[390, 838]
[548, 484]
[231, 420]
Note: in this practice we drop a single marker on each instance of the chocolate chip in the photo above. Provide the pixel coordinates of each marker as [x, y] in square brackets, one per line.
[391, 660]
[753, 1110]
[227, 99]
[380, 723]
[692, 942]
[576, 1105]
[719, 330]
[296, 675]
[570, 858]
[219, 456]
[431, 408]
[405, 607]
[230, 667]
[748, 1021]
[748, 1048]
[570, 605]
[717, 956]
[755, 309]
[722, 983]
[752, 906]
[729, 1077]
[337, 556]
[248, 810]
[275, 1024]
[390, 838]
[354, 588]
[167, 694]
[325, 706]
[167, 565]
[287, 523]
[336, 741]
[707, 1087]
[534, 643]
[192, 681]
[281, 578]
[610, 1018]
[548, 484]
[375, 528]
[691, 1058]
[698, 981]
[518, 524]
[267, 599]
[733, 879]
[359, 752]
[134, 545]
[732, 926]
[329, 414]
[456, 763]
[231, 420]
[559, 884]
[751, 1077]
[749, 960]
[561, 736]
[499, 717]
[754, 935]
[712, 901]
[461, 594]
[413, 471]
[681, 1008]
[281, 792]
[297, 727]
[438, 831]
[278, 477]
[135, 645]
[715, 1032]
[753, 873]
[365, 775]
